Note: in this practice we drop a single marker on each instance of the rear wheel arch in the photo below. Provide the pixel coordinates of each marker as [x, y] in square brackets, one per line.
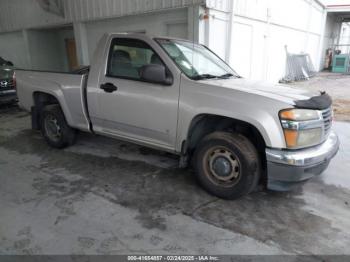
[54, 127]
[47, 104]
[40, 100]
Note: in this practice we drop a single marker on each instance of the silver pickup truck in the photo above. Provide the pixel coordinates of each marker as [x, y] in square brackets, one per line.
[179, 97]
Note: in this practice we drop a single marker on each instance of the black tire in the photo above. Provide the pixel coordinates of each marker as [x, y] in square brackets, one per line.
[243, 159]
[65, 135]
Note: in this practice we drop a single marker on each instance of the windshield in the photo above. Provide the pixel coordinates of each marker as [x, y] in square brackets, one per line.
[196, 61]
[6, 72]
[6, 69]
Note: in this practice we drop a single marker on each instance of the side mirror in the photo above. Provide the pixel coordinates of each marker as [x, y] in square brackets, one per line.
[155, 74]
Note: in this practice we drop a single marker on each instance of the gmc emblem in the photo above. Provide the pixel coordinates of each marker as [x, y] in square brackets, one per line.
[3, 83]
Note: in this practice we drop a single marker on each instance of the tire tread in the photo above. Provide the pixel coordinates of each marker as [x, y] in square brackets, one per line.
[251, 156]
[68, 133]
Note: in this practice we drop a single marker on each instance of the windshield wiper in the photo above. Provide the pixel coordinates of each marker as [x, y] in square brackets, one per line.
[229, 75]
[209, 76]
[226, 75]
[204, 76]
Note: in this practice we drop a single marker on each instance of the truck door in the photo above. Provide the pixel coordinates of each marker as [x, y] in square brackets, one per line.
[134, 109]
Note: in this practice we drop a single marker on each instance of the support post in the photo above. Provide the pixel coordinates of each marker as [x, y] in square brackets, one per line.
[80, 36]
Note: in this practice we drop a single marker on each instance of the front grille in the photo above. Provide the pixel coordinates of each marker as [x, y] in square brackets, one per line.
[327, 120]
[6, 84]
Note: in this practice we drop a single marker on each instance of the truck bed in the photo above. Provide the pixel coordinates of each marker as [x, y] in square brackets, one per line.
[68, 88]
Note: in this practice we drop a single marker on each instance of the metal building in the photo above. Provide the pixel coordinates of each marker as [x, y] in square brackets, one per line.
[249, 34]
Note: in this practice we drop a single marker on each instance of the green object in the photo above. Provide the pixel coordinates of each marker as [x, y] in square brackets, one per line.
[340, 64]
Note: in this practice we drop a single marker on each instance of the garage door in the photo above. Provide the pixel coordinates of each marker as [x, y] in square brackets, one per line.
[241, 49]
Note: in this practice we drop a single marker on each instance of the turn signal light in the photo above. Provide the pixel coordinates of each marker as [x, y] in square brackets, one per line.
[291, 137]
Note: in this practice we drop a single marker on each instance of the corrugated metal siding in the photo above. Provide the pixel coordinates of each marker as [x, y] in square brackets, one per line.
[85, 10]
[221, 5]
[20, 14]
[283, 13]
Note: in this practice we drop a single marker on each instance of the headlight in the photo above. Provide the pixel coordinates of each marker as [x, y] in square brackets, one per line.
[299, 114]
[302, 127]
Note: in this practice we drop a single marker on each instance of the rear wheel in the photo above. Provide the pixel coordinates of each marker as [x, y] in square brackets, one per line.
[227, 165]
[55, 129]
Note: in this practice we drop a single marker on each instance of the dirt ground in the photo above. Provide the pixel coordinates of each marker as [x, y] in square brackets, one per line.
[336, 85]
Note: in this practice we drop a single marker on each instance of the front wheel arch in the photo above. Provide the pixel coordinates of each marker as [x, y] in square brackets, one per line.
[205, 124]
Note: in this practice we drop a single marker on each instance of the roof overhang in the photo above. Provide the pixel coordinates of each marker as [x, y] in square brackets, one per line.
[338, 8]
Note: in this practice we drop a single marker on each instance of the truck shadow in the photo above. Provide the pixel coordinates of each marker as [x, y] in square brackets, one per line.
[9, 109]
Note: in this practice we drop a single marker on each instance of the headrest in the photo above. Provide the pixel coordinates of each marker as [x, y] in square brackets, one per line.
[121, 56]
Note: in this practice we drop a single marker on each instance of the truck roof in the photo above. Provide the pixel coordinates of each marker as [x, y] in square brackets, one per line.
[144, 35]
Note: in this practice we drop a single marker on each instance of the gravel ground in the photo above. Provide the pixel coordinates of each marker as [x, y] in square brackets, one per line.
[337, 85]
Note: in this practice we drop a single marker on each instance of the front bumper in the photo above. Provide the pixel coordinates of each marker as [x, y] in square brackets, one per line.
[285, 168]
[8, 96]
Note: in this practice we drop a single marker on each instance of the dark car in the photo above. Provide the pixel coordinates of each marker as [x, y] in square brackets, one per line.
[7, 82]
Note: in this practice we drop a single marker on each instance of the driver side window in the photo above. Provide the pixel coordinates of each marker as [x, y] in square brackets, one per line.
[128, 56]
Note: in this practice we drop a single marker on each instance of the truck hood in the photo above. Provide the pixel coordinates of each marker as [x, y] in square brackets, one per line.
[278, 92]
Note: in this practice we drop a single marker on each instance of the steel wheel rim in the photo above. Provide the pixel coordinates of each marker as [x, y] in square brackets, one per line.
[222, 166]
[52, 128]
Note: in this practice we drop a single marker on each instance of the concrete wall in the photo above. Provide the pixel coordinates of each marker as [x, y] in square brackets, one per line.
[44, 50]
[167, 23]
[47, 48]
[13, 48]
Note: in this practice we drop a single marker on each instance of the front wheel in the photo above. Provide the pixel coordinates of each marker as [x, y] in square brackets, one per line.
[55, 129]
[227, 165]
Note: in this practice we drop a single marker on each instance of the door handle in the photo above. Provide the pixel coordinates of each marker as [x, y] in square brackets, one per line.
[109, 87]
